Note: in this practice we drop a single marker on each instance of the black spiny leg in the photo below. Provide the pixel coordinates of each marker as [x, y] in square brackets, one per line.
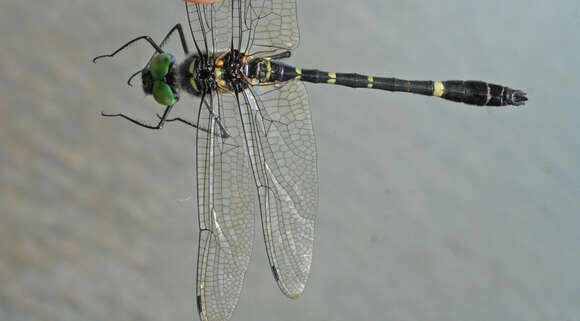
[223, 132]
[181, 120]
[158, 126]
[123, 47]
[181, 37]
[281, 55]
[188, 123]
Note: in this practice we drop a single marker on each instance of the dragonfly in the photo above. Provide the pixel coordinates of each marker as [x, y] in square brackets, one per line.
[255, 145]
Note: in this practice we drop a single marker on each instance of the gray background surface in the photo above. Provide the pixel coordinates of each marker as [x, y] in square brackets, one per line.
[428, 210]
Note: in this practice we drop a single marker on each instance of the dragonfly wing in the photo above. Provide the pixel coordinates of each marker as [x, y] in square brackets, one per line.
[247, 24]
[212, 26]
[283, 157]
[226, 209]
[275, 23]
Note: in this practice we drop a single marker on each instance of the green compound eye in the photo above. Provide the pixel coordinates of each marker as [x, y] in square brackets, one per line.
[163, 93]
[160, 66]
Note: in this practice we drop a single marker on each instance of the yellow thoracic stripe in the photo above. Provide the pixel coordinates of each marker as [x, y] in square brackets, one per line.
[191, 66]
[218, 73]
[193, 84]
[371, 80]
[332, 78]
[268, 70]
[438, 89]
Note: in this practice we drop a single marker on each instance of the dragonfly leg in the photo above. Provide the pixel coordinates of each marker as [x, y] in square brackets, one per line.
[142, 124]
[224, 132]
[123, 47]
[270, 54]
[133, 76]
[179, 29]
[188, 123]
[181, 120]
[281, 55]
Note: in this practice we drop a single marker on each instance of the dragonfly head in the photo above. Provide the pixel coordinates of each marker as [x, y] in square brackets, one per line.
[159, 79]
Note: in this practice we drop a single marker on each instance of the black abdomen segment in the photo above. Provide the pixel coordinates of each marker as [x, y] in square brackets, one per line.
[471, 92]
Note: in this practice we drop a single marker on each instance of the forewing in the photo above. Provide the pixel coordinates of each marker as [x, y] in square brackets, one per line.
[248, 25]
[276, 24]
[211, 25]
[283, 157]
[226, 209]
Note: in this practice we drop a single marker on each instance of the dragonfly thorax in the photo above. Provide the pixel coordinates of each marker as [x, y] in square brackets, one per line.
[226, 71]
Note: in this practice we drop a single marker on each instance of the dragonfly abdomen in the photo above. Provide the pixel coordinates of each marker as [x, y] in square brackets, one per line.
[474, 92]
[471, 92]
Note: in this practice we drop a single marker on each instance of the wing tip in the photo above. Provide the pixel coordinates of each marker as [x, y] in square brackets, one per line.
[293, 292]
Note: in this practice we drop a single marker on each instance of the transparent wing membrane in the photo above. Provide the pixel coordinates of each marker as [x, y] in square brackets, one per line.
[248, 25]
[211, 25]
[271, 145]
[278, 25]
[284, 163]
[226, 211]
